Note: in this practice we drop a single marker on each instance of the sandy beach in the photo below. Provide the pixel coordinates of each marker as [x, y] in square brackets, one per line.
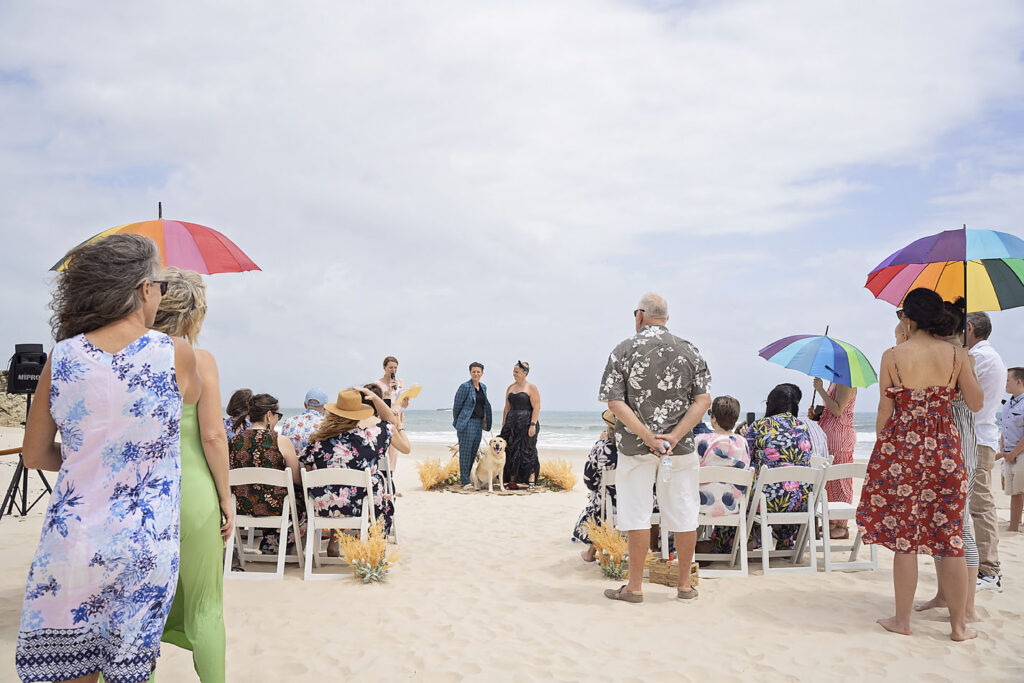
[490, 587]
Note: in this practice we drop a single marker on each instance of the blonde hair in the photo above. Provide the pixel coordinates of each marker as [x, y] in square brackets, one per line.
[183, 308]
[332, 426]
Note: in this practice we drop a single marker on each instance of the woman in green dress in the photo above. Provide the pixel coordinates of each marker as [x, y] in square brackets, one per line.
[196, 620]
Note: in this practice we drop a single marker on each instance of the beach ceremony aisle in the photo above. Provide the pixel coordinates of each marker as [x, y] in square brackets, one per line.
[491, 588]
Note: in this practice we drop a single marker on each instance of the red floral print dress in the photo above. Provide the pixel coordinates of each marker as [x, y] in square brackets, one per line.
[916, 488]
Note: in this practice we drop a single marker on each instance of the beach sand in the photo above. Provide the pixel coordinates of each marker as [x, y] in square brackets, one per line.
[490, 587]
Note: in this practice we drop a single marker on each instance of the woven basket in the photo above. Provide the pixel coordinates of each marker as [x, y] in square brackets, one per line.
[666, 572]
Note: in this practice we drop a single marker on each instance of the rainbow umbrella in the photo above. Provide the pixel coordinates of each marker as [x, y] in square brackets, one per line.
[984, 267]
[185, 245]
[822, 356]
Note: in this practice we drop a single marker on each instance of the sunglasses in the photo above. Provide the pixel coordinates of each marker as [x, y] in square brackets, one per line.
[279, 415]
[899, 313]
[163, 285]
[638, 310]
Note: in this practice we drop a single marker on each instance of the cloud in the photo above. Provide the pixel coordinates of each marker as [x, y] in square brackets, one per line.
[490, 181]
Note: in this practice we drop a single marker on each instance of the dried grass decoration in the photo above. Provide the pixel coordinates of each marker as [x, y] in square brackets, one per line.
[557, 474]
[368, 557]
[610, 546]
[435, 474]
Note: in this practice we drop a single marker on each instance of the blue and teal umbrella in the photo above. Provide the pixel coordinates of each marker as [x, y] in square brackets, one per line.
[824, 357]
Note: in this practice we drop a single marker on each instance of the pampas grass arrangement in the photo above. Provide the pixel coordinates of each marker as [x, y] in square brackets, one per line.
[368, 557]
[610, 546]
[557, 474]
[435, 474]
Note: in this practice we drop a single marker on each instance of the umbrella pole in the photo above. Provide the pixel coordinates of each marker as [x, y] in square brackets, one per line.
[814, 394]
[159, 209]
[965, 284]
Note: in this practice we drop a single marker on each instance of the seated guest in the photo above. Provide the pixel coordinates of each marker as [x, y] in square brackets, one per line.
[258, 445]
[342, 443]
[722, 448]
[237, 408]
[299, 427]
[819, 442]
[780, 439]
[602, 458]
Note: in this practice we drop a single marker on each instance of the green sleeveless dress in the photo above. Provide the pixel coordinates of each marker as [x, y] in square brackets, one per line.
[196, 621]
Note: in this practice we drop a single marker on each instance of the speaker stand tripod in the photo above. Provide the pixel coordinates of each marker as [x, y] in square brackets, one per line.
[20, 481]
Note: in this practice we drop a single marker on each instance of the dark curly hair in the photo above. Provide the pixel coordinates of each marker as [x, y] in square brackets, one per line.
[929, 312]
[257, 408]
[238, 404]
[100, 283]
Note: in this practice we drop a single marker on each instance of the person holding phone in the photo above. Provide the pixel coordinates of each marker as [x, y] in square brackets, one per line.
[657, 385]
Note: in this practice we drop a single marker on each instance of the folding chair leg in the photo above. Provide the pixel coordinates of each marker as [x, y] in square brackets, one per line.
[765, 551]
[826, 539]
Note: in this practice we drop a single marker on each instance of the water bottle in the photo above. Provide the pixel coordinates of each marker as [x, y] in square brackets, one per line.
[665, 469]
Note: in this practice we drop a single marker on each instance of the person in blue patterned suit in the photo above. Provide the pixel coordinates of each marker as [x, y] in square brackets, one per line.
[471, 415]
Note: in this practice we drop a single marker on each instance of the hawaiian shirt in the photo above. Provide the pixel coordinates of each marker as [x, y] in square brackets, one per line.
[657, 375]
[298, 428]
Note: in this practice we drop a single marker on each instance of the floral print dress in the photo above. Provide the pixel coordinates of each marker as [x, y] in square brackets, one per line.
[258, 448]
[360, 449]
[602, 458]
[104, 574]
[916, 487]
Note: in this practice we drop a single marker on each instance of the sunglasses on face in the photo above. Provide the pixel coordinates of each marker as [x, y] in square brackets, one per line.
[279, 415]
[162, 284]
[638, 310]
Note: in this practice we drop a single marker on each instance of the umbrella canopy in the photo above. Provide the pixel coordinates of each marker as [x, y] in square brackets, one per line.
[983, 266]
[185, 245]
[824, 357]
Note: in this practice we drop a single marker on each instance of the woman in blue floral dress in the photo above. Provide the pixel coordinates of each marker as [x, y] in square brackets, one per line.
[780, 439]
[344, 442]
[103, 577]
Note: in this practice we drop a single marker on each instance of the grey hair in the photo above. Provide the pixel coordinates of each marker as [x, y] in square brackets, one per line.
[982, 324]
[654, 305]
[100, 283]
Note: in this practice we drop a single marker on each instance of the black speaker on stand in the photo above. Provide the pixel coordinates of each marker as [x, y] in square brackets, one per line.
[22, 378]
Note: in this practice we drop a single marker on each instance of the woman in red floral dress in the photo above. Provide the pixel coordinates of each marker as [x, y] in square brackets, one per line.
[914, 496]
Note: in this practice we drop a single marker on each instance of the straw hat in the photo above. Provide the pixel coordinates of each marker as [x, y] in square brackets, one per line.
[350, 404]
[609, 417]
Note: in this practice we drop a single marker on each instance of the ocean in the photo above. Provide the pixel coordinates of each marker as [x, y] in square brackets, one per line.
[569, 429]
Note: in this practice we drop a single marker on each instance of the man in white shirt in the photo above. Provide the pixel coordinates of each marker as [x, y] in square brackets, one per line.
[992, 376]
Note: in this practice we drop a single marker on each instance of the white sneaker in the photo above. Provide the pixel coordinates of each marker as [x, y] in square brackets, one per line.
[466, 487]
[990, 583]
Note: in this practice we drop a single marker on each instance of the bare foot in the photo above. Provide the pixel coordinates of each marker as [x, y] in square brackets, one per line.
[891, 624]
[972, 618]
[931, 604]
[966, 634]
[589, 554]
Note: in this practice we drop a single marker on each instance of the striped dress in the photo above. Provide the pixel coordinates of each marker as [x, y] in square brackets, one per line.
[842, 440]
[964, 420]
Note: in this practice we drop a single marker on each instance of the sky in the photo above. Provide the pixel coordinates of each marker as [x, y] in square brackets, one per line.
[449, 182]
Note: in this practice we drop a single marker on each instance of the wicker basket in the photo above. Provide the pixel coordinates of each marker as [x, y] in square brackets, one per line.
[666, 572]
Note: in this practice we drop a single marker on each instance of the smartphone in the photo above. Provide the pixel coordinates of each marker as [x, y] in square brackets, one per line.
[750, 418]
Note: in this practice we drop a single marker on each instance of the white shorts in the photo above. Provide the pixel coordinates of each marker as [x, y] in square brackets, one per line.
[678, 499]
[1013, 476]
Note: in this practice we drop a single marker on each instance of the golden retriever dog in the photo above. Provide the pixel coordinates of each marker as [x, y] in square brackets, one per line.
[490, 463]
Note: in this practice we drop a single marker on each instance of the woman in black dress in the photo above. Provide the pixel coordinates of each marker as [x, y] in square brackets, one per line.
[519, 428]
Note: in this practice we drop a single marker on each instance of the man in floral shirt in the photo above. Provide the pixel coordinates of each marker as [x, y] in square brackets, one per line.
[300, 427]
[658, 387]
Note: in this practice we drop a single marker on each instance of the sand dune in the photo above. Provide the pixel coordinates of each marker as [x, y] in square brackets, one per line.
[490, 587]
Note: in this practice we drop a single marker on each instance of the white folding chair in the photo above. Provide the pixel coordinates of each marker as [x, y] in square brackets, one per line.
[607, 508]
[389, 490]
[736, 477]
[759, 514]
[332, 476]
[818, 462]
[288, 518]
[827, 510]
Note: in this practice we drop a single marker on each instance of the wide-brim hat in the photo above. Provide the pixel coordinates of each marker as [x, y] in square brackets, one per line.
[350, 405]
